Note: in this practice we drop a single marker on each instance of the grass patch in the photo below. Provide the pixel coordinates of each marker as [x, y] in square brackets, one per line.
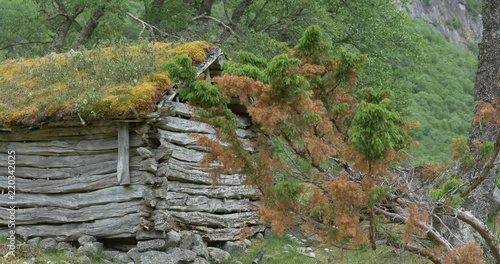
[25, 252]
[275, 245]
[96, 84]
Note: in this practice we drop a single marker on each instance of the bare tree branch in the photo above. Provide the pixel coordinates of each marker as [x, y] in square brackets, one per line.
[203, 16]
[25, 43]
[257, 15]
[483, 230]
[431, 233]
[151, 29]
[224, 2]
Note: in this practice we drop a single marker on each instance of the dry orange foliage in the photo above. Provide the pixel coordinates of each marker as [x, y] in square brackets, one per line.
[348, 199]
[468, 254]
[432, 170]
[413, 226]
[487, 113]
[245, 230]
[278, 219]
[220, 159]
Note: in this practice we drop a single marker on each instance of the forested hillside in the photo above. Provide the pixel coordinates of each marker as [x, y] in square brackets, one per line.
[442, 91]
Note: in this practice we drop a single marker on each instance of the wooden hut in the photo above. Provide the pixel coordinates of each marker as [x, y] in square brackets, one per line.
[109, 157]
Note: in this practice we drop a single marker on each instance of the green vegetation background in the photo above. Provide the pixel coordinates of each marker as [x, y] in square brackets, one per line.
[433, 79]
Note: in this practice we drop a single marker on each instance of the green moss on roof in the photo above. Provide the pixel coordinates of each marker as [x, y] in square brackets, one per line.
[95, 85]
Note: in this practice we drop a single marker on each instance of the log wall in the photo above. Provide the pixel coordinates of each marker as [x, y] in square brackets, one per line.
[66, 181]
[187, 198]
[67, 184]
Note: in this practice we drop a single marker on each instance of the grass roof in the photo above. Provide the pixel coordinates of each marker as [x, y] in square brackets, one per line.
[94, 85]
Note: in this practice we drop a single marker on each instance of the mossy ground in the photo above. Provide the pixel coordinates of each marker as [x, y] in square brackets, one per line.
[98, 84]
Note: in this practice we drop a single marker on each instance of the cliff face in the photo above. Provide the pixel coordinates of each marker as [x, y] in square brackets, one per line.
[450, 18]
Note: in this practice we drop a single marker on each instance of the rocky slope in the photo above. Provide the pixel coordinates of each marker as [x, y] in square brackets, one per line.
[451, 18]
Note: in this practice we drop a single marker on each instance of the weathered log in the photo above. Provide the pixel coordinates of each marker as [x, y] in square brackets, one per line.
[59, 133]
[99, 168]
[185, 154]
[259, 256]
[225, 234]
[54, 215]
[183, 125]
[68, 147]
[176, 170]
[117, 227]
[188, 203]
[181, 109]
[70, 185]
[221, 192]
[76, 200]
[179, 138]
[245, 133]
[233, 220]
[62, 161]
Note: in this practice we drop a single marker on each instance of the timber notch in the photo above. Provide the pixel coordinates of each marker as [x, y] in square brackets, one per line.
[124, 169]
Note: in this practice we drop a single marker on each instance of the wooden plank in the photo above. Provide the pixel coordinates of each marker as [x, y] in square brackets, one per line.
[55, 215]
[123, 173]
[76, 200]
[70, 185]
[116, 227]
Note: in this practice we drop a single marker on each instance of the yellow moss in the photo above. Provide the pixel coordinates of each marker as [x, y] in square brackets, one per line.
[8, 71]
[196, 50]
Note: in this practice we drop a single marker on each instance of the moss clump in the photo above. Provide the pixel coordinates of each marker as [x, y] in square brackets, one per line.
[196, 50]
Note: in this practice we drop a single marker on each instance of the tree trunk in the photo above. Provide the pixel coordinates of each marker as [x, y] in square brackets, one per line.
[62, 31]
[485, 199]
[206, 7]
[235, 18]
[89, 27]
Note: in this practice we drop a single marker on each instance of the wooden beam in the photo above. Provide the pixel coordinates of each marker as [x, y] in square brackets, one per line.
[123, 153]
